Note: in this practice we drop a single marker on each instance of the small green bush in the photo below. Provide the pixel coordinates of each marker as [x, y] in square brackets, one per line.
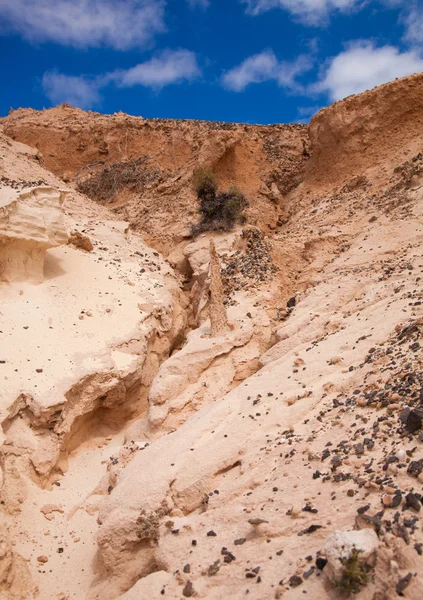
[355, 574]
[205, 183]
[218, 210]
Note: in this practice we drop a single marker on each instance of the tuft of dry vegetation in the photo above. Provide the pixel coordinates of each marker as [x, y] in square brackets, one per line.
[219, 210]
[105, 184]
[355, 574]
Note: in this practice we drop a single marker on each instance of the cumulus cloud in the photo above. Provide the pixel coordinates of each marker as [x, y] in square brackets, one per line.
[85, 23]
[362, 66]
[77, 91]
[168, 67]
[266, 67]
[312, 12]
[413, 21]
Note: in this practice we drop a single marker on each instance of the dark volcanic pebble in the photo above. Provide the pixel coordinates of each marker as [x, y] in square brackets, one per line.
[295, 581]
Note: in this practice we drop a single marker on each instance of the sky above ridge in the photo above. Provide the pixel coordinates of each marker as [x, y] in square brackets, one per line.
[252, 61]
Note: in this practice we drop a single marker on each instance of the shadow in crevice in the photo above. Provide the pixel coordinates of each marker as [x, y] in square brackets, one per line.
[52, 266]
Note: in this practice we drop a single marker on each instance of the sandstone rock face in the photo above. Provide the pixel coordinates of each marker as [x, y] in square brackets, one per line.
[31, 222]
[380, 127]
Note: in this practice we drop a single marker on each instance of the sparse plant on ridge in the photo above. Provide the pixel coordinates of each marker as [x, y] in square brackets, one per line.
[218, 210]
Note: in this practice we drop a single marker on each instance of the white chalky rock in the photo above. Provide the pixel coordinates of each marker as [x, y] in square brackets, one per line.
[340, 545]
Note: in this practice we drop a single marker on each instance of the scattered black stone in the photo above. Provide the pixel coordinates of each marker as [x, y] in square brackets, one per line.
[211, 533]
[366, 520]
[414, 420]
[295, 581]
[325, 454]
[396, 499]
[363, 509]
[188, 590]
[187, 568]
[310, 529]
[214, 568]
[404, 414]
[308, 573]
[413, 501]
[336, 461]
[228, 556]
[403, 584]
[240, 541]
[415, 467]
[257, 521]
[309, 508]
[359, 449]
[321, 563]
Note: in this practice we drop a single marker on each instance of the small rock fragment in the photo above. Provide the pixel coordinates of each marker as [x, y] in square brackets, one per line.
[403, 584]
[188, 590]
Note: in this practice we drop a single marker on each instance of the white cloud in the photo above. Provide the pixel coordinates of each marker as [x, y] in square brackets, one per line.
[77, 91]
[85, 23]
[171, 66]
[363, 66]
[312, 12]
[266, 67]
[255, 69]
[414, 26]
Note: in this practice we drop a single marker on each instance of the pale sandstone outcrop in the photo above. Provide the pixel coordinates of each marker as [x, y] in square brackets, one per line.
[82, 347]
[197, 256]
[218, 317]
[31, 222]
[207, 367]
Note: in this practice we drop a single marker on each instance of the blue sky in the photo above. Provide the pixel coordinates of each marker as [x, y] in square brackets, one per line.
[254, 61]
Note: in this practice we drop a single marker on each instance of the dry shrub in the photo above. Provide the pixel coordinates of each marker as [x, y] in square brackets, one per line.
[219, 210]
[105, 185]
